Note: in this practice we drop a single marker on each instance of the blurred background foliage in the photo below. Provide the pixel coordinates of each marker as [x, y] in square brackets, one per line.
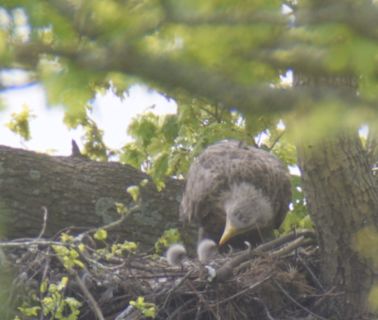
[228, 64]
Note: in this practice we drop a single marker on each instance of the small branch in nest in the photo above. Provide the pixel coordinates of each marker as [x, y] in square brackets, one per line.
[296, 302]
[268, 315]
[91, 301]
[27, 243]
[285, 239]
[178, 285]
[289, 247]
[202, 300]
[325, 295]
[125, 313]
[312, 274]
[252, 286]
[293, 241]
[179, 309]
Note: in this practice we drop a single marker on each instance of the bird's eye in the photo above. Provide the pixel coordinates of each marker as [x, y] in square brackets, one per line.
[241, 216]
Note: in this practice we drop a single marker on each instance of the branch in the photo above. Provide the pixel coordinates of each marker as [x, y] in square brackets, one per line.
[223, 18]
[45, 215]
[91, 301]
[292, 241]
[174, 76]
[296, 302]
[361, 16]
[252, 286]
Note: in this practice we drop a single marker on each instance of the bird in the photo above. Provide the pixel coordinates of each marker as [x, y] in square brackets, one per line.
[236, 193]
[206, 250]
[176, 254]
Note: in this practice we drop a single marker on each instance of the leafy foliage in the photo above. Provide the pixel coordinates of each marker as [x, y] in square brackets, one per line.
[19, 123]
[94, 146]
[166, 145]
[222, 61]
[298, 217]
[207, 56]
[54, 303]
[53, 298]
[148, 309]
[117, 250]
[222, 55]
[170, 236]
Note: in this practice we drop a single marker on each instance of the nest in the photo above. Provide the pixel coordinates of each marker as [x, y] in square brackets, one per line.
[273, 281]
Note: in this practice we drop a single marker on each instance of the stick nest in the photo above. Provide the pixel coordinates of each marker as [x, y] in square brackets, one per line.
[276, 280]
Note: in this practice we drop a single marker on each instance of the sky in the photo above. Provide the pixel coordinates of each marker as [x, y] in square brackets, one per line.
[48, 132]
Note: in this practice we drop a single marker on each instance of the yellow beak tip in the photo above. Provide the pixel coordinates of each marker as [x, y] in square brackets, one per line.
[228, 233]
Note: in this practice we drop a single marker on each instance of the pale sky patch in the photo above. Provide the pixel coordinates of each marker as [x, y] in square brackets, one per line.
[49, 134]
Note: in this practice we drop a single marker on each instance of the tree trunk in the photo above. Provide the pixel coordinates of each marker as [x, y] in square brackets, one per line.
[80, 193]
[342, 199]
[343, 202]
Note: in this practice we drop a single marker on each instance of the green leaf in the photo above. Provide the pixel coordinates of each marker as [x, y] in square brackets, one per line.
[121, 209]
[19, 124]
[101, 235]
[134, 191]
[170, 236]
[148, 309]
[65, 237]
[169, 128]
[30, 311]
[144, 128]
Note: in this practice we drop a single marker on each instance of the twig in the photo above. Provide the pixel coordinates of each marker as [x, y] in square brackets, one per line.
[125, 313]
[325, 295]
[289, 247]
[27, 243]
[114, 223]
[226, 270]
[296, 302]
[183, 306]
[201, 299]
[178, 285]
[312, 274]
[284, 239]
[45, 215]
[278, 138]
[269, 316]
[92, 302]
[252, 286]
[44, 276]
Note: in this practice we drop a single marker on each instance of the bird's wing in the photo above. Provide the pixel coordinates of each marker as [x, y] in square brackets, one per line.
[206, 178]
[229, 162]
[266, 173]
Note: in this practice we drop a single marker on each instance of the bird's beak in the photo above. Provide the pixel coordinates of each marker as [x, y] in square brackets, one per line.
[228, 233]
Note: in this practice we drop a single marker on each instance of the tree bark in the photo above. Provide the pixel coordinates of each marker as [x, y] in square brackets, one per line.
[81, 193]
[342, 199]
[343, 202]
[341, 193]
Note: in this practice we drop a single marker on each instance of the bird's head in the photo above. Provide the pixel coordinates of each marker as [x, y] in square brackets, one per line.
[246, 208]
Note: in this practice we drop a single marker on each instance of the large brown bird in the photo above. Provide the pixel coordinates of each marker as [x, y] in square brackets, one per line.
[233, 189]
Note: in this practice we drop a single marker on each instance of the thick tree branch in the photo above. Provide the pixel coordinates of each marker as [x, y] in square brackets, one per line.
[81, 193]
[195, 80]
[360, 16]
